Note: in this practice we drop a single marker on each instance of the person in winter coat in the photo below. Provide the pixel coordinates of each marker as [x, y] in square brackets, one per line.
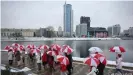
[38, 60]
[51, 62]
[63, 69]
[119, 64]
[69, 67]
[23, 56]
[44, 59]
[93, 71]
[18, 58]
[10, 57]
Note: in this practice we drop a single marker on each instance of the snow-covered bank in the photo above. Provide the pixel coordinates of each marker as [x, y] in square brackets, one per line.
[109, 62]
[60, 39]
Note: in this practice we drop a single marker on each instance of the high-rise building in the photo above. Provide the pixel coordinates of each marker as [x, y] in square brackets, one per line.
[130, 31]
[68, 19]
[114, 30]
[86, 20]
[81, 30]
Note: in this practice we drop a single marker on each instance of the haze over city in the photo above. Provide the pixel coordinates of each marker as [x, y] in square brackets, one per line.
[36, 14]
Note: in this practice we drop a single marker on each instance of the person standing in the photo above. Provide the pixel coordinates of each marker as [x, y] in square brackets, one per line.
[93, 71]
[10, 57]
[44, 59]
[63, 69]
[38, 60]
[69, 67]
[119, 64]
[23, 56]
[18, 58]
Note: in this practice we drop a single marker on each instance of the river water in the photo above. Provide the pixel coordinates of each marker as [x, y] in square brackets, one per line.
[81, 47]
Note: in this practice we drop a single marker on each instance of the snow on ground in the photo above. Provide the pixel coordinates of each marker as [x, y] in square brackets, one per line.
[109, 62]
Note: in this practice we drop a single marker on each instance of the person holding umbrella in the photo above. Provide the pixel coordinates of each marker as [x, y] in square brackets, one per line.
[10, 56]
[118, 50]
[93, 63]
[64, 61]
[18, 58]
[119, 64]
[67, 50]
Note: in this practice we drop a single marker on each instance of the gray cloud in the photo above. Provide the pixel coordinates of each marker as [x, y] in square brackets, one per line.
[36, 14]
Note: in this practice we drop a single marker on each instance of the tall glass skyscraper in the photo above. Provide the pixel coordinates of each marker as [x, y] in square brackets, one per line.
[68, 19]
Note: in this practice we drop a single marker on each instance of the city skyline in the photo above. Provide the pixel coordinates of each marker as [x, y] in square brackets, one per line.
[36, 14]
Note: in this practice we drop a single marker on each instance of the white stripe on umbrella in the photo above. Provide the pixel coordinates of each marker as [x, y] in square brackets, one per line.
[68, 50]
[118, 49]
[95, 49]
[44, 47]
[91, 61]
[52, 53]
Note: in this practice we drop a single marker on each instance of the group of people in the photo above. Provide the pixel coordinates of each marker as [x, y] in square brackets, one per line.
[18, 57]
[42, 58]
[99, 70]
[49, 61]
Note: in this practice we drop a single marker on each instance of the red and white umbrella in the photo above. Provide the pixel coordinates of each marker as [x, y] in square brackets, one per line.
[68, 50]
[118, 49]
[44, 47]
[100, 57]
[91, 61]
[95, 50]
[55, 47]
[35, 51]
[51, 53]
[7, 47]
[31, 46]
[62, 59]
[22, 47]
[15, 45]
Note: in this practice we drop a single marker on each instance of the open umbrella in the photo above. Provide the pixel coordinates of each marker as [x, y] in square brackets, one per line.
[91, 61]
[7, 47]
[67, 50]
[31, 46]
[95, 49]
[51, 53]
[35, 51]
[118, 49]
[15, 45]
[62, 59]
[44, 47]
[55, 47]
[100, 57]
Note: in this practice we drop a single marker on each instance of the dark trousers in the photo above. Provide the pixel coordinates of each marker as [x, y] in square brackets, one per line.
[69, 68]
[100, 68]
[10, 62]
[23, 59]
[39, 66]
[118, 70]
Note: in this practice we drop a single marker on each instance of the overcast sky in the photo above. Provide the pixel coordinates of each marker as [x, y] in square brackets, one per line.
[36, 14]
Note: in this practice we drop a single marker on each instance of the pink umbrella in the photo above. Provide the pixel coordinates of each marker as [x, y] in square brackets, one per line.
[22, 47]
[117, 49]
[44, 47]
[51, 53]
[62, 59]
[55, 47]
[7, 47]
[15, 45]
[91, 61]
[100, 57]
[35, 51]
[31, 46]
[68, 50]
